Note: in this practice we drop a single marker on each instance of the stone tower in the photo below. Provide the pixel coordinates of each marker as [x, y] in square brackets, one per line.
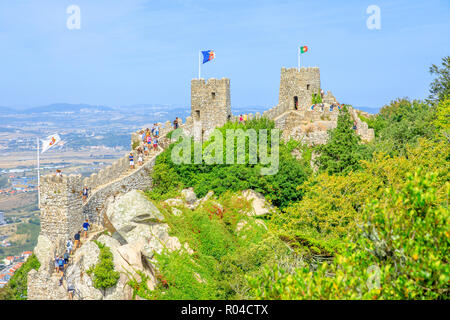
[210, 105]
[61, 206]
[297, 87]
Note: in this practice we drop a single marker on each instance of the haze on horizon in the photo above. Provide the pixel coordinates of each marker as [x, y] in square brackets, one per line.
[146, 52]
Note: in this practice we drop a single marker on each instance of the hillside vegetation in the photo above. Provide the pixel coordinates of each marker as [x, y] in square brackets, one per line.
[371, 223]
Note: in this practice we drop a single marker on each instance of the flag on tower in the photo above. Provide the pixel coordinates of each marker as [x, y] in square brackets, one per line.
[208, 56]
[50, 142]
[303, 49]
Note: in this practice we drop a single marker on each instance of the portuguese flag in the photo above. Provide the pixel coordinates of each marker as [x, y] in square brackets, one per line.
[303, 49]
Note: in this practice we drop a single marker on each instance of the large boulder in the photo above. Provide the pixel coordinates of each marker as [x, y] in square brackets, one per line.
[133, 215]
[131, 209]
[260, 206]
[45, 251]
[189, 196]
[137, 220]
[84, 258]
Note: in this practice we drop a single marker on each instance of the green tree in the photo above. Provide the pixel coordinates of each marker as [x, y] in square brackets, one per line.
[16, 289]
[442, 118]
[104, 275]
[401, 252]
[440, 87]
[341, 154]
[402, 123]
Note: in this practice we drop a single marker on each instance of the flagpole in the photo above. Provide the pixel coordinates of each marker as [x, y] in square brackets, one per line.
[199, 64]
[298, 53]
[38, 174]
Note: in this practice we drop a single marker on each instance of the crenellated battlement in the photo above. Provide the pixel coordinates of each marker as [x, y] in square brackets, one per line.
[61, 205]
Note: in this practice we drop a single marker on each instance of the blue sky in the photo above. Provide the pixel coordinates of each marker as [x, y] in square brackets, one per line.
[146, 52]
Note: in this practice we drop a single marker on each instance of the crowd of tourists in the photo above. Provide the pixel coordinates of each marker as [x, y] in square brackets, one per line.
[322, 106]
[61, 262]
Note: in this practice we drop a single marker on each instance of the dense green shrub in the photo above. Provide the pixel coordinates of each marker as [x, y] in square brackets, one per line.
[16, 289]
[222, 256]
[401, 252]
[104, 275]
[281, 189]
[343, 151]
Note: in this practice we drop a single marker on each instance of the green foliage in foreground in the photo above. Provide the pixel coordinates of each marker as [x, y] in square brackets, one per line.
[401, 253]
[222, 255]
[281, 189]
[104, 275]
[16, 289]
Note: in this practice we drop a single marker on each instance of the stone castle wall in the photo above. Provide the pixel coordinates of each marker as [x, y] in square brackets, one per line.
[298, 83]
[61, 206]
[210, 104]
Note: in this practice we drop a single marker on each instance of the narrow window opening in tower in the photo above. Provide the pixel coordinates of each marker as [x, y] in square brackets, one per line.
[307, 87]
[197, 115]
[296, 103]
[213, 95]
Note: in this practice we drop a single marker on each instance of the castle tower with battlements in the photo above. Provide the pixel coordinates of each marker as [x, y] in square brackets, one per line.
[297, 87]
[61, 206]
[210, 105]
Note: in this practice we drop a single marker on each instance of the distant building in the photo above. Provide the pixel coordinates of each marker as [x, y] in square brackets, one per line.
[26, 254]
[8, 260]
[2, 219]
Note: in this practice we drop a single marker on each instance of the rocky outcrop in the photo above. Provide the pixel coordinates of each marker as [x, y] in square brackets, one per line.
[189, 195]
[259, 205]
[142, 232]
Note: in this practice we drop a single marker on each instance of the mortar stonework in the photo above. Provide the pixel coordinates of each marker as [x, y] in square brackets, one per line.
[298, 83]
[61, 206]
[210, 105]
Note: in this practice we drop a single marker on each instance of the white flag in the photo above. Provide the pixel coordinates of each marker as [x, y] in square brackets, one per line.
[49, 142]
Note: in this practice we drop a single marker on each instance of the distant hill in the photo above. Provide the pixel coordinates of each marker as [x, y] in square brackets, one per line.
[66, 107]
[5, 110]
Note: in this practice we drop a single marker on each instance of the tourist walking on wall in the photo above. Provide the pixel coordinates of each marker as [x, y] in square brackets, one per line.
[61, 265]
[149, 142]
[175, 123]
[66, 257]
[69, 246]
[77, 239]
[131, 158]
[56, 263]
[240, 119]
[86, 226]
[85, 193]
[70, 290]
[245, 118]
[155, 143]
